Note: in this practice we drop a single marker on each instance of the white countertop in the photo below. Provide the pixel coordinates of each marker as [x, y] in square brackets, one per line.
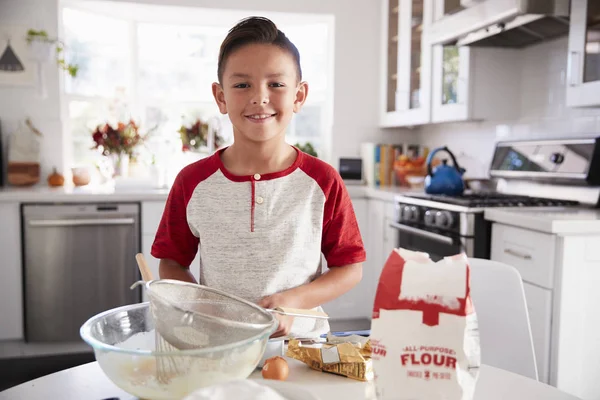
[85, 194]
[89, 382]
[555, 220]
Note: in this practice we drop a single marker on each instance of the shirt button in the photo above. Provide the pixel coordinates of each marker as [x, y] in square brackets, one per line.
[259, 200]
[256, 177]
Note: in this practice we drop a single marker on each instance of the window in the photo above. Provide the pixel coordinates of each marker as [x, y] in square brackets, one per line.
[156, 64]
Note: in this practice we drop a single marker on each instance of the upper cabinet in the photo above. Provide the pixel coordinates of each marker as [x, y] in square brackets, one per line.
[583, 76]
[406, 59]
[426, 83]
[471, 83]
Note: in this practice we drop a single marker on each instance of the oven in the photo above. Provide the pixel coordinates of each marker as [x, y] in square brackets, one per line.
[440, 232]
[568, 171]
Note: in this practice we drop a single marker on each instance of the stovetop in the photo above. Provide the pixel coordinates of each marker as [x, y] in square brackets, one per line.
[478, 200]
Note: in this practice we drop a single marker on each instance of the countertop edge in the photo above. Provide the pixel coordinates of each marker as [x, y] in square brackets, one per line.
[43, 194]
[556, 227]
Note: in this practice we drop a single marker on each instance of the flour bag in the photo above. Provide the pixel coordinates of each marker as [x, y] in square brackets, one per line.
[424, 332]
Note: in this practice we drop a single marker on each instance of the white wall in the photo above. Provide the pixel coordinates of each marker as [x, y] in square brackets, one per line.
[16, 103]
[356, 74]
[543, 113]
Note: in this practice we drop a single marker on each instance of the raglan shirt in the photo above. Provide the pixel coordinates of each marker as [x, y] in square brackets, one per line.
[260, 234]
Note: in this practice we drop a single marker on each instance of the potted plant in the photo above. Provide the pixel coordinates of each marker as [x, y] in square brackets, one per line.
[118, 143]
[307, 148]
[41, 46]
[197, 136]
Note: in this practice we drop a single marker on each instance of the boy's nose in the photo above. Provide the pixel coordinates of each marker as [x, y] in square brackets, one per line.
[260, 96]
[261, 100]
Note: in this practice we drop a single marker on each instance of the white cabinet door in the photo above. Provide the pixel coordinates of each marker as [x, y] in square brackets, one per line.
[583, 85]
[11, 284]
[406, 61]
[539, 306]
[151, 215]
[470, 83]
[152, 212]
[375, 255]
[352, 305]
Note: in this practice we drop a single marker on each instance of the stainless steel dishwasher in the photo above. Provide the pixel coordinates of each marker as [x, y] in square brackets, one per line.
[79, 260]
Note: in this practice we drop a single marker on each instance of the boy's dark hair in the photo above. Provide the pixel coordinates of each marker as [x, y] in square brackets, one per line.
[255, 30]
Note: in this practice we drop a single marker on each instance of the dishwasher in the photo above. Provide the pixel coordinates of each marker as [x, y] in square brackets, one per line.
[79, 260]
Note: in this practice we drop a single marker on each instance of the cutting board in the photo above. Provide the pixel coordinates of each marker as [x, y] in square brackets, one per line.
[23, 167]
[23, 173]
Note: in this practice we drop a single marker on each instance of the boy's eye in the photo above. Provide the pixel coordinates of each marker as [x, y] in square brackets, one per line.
[277, 84]
[241, 85]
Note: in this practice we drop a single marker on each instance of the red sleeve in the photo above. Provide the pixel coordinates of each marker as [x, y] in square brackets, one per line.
[341, 243]
[174, 239]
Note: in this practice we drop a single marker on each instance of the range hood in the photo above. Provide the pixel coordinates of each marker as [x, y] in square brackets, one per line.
[503, 23]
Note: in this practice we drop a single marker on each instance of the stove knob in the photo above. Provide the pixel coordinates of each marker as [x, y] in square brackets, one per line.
[443, 219]
[429, 218]
[414, 214]
[406, 213]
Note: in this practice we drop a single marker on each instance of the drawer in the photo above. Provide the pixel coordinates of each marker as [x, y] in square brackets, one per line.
[151, 214]
[530, 252]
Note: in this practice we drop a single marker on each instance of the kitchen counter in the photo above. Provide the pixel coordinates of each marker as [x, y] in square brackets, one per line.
[108, 193]
[555, 220]
[88, 381]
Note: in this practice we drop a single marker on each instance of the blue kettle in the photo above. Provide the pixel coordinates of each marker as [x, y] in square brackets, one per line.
[445, 179]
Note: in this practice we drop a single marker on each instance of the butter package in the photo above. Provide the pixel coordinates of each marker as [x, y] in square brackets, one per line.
[424, 331]
[341, 356]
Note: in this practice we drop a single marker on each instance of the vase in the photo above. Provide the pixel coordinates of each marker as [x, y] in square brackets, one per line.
[120, 164]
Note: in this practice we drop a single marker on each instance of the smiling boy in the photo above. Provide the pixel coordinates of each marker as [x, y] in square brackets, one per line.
[261, 211]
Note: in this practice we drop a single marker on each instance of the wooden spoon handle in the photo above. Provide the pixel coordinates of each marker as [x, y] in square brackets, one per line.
[299, 312]
[144, 270]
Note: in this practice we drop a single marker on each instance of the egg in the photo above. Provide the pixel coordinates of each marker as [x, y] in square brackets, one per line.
[276, 368]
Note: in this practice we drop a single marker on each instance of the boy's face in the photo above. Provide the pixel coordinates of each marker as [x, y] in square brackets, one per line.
[260, 92]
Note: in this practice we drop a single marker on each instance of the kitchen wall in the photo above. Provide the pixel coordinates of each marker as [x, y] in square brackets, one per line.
[356, 74]
[543, 112]
[19, 102]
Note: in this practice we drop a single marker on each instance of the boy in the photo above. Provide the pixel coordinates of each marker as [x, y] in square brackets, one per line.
[260, 210]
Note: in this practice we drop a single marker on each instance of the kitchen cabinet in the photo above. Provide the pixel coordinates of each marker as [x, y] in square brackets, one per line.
[406, 62]
[539, 307]
[583, 75]
[151, 215]
[560, 275]
[374, 218]
[353, 304]
[11, 284]
[471, 83]
[426, 83]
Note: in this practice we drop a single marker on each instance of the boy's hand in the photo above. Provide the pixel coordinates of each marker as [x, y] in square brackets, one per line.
[285, 321]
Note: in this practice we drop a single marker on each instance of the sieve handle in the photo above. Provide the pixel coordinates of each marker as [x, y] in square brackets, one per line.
[299, 312]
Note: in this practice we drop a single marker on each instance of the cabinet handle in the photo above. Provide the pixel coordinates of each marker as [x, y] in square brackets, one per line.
[419, 232]
[573, 68]
[81, 222]
[517, 254]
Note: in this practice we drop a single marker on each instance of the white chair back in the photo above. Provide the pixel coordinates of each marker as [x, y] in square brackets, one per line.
[504, 330]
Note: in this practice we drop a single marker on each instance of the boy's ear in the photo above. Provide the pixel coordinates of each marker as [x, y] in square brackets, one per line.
[301, 94]
[219, 96]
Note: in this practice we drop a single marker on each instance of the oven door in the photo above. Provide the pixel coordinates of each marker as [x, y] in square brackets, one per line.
[437, 244]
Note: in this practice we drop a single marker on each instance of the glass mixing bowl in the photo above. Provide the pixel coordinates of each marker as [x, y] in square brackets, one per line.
[124, 343]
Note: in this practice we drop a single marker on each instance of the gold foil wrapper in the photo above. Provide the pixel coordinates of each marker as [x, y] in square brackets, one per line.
[352, 360]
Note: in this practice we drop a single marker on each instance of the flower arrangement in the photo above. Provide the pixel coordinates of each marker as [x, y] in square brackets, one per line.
[120, 140]
[196, 136]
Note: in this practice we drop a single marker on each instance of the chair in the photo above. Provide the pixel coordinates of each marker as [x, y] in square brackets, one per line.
[504, 330]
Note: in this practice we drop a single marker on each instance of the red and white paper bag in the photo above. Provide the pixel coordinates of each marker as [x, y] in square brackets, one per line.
[424, 330]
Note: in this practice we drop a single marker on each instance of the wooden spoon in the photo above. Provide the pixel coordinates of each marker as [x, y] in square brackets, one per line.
[143, 266]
